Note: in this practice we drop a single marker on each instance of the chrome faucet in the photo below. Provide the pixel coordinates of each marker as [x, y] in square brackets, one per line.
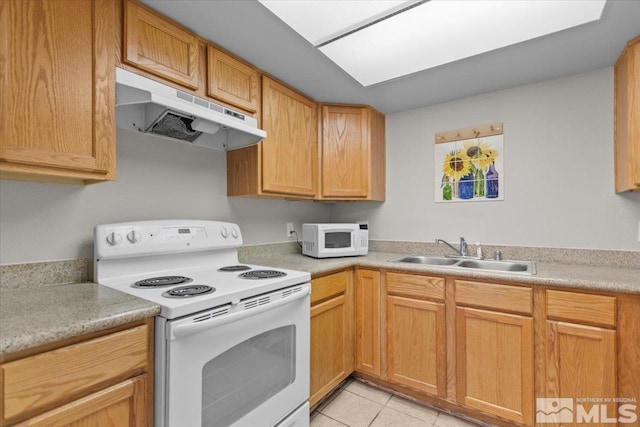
[463, 251]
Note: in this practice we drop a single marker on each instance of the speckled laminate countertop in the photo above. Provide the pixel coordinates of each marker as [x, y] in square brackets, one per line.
[45, 314]
[614, 279]
[33, 317]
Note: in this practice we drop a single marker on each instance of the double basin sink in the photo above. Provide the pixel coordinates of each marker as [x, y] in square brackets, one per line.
[521, 267]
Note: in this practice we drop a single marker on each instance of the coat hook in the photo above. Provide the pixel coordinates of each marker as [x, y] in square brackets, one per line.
[492, 128]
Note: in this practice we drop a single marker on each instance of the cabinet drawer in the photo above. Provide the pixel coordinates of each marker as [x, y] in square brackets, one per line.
[490, 295]
[577, 307]
[69, 372]
[329, 286]
[414, 286]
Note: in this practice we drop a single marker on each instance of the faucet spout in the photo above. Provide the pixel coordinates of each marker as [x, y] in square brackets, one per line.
[459, 252]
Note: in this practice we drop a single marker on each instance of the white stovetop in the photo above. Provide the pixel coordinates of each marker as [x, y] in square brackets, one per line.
[229, 287]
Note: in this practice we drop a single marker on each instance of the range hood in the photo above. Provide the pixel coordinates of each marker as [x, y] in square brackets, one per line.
[151, 107]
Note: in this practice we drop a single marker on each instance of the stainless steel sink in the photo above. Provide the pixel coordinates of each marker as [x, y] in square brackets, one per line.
[430, 260]
[528, 267]
[511, 266]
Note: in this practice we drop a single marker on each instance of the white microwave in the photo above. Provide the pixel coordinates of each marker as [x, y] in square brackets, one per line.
[335, 240]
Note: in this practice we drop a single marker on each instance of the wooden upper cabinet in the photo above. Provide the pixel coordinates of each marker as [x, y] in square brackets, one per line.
[232, 81]
[353, 153]
[160, 46]
[57, 80]
[290, 151]
[627, 118]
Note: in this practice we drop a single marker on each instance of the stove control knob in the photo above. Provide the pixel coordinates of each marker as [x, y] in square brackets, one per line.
[114, 239]
[134, 237]
[234, 233]
[224, 232]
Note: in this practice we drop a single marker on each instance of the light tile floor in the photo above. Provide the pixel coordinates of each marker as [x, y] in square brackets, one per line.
[357, 404]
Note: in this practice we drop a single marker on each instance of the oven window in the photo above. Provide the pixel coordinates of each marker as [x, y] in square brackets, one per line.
[338, 239]
[247, 375]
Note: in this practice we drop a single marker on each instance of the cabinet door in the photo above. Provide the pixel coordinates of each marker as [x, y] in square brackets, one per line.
[495, 363]
[232, 81]
[121, 405]
[416, 344]
[627, 118]
[331, 345]
[581, 362]
[368, 322]
[290, 151]
[57, 79]
[345, 152]
[159, 46]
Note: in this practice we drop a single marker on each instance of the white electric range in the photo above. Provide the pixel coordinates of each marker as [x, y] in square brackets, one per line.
[232, 340]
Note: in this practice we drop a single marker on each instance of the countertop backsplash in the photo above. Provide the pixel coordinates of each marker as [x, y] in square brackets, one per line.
[36, 274]
[594, 257]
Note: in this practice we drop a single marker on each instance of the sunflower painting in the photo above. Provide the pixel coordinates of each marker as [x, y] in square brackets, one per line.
[469, 170]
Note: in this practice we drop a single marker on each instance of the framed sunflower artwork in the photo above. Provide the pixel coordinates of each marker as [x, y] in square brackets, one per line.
[469, 164]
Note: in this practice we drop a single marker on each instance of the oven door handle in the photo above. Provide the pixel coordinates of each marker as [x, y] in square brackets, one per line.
[185, 329]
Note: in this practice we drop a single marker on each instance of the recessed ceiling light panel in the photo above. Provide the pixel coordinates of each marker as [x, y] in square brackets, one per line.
[319, 21]
[425, 36]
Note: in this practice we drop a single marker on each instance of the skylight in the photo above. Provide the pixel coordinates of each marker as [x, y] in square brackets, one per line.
[379, 40]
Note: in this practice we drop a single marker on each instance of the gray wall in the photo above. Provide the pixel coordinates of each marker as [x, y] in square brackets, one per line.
[558, 160]
[157, 179]
[558, 183]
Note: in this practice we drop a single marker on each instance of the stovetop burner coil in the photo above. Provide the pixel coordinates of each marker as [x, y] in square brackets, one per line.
[235, 268]
[157, 282]
[262, 274]
[188, 291]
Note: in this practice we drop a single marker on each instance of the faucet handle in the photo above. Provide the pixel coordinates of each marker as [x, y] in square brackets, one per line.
[464, 250]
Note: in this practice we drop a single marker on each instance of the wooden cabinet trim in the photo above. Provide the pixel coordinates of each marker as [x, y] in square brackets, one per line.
[509, 298]
[415, 286]
[72, 370]
[581, 308]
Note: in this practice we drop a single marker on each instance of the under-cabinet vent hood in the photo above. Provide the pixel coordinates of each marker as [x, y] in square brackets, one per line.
[148, 106]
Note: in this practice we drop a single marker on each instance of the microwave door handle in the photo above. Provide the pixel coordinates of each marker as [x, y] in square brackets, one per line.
[183, 330]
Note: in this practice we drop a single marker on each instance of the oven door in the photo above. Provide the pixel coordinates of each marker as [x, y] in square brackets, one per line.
[244, 364]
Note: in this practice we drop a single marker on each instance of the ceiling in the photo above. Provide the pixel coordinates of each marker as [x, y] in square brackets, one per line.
[252, 32]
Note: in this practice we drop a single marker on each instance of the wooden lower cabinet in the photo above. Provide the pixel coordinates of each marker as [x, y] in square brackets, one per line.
[416, 339]
[120, 405]
[494, 363]
[581, 363]
[105, 380]
[332, 334]
[582, 347]
[486, 349]
[368, 321]
[415, 344]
